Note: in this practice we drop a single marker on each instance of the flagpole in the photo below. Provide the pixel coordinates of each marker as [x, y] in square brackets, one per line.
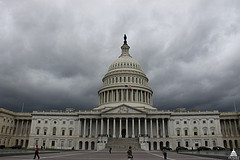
[22, 106]
[235, 107]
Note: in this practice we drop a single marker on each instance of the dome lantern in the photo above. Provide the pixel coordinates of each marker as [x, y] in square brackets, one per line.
[125, 48]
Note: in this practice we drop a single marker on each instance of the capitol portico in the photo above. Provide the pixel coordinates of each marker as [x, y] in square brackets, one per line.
[125, 116]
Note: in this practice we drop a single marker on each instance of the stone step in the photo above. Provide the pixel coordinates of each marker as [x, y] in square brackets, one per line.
[123, 143]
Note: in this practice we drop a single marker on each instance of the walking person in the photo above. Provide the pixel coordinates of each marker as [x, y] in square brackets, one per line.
[164, 153]
[129, 153]
[110, 150]
[36, 152]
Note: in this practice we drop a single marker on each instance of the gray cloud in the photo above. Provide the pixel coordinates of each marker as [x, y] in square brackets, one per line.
[53, 54]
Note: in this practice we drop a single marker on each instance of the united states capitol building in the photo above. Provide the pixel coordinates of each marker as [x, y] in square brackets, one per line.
[125, 116]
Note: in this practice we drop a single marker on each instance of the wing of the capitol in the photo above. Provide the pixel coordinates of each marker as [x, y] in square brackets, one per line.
[125, 116]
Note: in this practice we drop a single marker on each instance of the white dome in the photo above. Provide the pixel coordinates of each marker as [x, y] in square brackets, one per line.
[125, 83]
[125, 62]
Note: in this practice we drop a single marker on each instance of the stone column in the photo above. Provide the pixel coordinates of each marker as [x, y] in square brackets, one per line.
[108, 127]
[236, 129]
[126, 95]
[225, 127]
[145, 96]
[21, 130]
[151, 127]
[136, 96]
[114, 127]
[145, 120]
[126, 127]
[96, 132]
[122, 98]
[141, 96]
[133, 134]
[90, 129]
[117, 95]
[157, 128]
[139, 126]
[120, 127]
[163, 127]
[132, 95]
[230, 125]
[26, 130]
[168, 129]
[84, 127]
[107, 96]
[101, 126]
[103, 97]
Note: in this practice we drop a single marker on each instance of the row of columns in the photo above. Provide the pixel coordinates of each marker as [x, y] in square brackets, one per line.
[124, 80]
[22, 127]
[128, 95]
[163, 122]
[229, 127]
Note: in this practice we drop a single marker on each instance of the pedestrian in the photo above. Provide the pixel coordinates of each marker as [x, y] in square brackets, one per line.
[164, 153]
[36, 152]
[129, 153]
[110, 150]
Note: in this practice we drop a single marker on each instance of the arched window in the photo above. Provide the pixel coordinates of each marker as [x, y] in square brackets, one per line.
[213, 131]
[205, 130]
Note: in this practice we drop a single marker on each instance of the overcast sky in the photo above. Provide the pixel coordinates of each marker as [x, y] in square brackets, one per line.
[54, 53]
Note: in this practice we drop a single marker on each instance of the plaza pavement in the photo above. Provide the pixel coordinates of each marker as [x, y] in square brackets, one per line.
[104, 155]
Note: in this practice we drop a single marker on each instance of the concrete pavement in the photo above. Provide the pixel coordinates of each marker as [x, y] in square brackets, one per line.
[104, 155]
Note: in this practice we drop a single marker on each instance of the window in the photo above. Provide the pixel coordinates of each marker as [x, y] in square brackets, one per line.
[179, 144]
[194, 122]
[195, 131]
[45, 131]
[64, 122]
[55, 122]
[53, 143]
[186, 143]
[39, 121]
[46, 122]
[178, 132]
[211, 121]
[54, 131]
[38, 131]
[186, 132]
[44, 143]
[206, 143]
[213, 131]
[71, 122]
[177, 122]
[205, 131]
[204, 121]
[214, 143]
[63, 132]
[185, 122]
[70, 132]
[36, 142]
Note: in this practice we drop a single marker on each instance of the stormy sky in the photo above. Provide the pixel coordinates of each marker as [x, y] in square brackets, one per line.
[54, 53]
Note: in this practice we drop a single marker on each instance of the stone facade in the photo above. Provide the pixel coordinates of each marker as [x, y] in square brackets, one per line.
[15, 128]
[125, 114]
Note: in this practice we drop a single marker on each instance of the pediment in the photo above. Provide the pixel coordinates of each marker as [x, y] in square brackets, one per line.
[123, 109]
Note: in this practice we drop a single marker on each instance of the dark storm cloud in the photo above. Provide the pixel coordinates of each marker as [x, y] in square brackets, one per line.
[53, 54]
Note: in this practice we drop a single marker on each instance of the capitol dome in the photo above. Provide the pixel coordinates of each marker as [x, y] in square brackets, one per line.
[125, 84]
